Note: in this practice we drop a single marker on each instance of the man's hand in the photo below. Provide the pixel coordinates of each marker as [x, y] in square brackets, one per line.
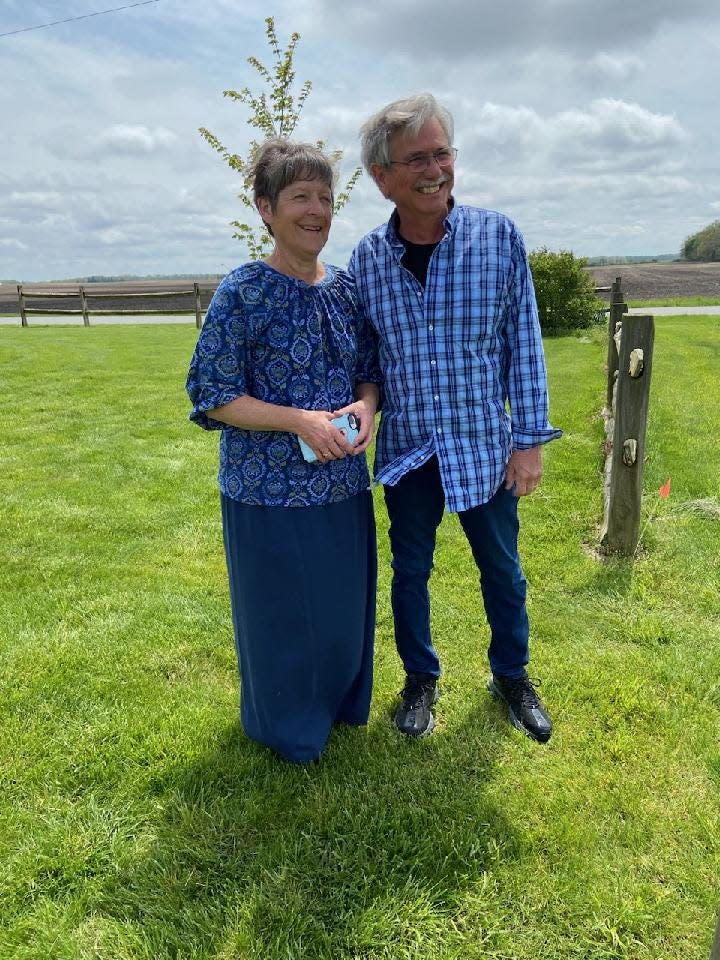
[524, 471]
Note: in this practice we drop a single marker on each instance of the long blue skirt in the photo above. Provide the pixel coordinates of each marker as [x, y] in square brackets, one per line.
[302, 590]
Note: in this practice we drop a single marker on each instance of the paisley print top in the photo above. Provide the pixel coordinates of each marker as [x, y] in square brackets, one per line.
[283, 341]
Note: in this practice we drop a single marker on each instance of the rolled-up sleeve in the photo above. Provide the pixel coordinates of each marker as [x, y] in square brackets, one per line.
[527, 379]
[217, 371]
[368, 367]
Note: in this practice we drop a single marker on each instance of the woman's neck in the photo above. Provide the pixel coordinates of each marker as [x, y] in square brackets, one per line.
[309, 271]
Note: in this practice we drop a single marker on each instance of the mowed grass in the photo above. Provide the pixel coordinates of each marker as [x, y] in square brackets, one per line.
[676, 302]
[138, 822]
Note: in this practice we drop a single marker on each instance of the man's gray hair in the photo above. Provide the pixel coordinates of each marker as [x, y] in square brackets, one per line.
[278, 162]
[407, 116]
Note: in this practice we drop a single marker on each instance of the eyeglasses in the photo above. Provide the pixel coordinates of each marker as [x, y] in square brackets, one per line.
[419, 164]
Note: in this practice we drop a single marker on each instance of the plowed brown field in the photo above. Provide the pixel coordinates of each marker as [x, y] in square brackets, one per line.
[652, 281]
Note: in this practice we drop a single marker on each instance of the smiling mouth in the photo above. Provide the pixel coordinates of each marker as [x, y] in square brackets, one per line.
[430, 188]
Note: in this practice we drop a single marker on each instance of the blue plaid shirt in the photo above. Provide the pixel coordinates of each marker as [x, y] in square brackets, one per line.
[456, 354]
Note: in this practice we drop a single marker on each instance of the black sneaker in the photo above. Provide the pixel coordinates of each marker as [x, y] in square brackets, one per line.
[413, 717]
[526, 709]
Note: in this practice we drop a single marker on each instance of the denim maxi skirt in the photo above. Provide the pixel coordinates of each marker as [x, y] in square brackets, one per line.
[302, 591]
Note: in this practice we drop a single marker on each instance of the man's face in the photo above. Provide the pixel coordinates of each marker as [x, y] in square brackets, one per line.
[419, 197]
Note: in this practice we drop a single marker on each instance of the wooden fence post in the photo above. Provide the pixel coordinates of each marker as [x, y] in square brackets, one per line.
[21, 302]
[621, 527]
[715, 949]
[618, 307]
[198, 306]
[84, 307]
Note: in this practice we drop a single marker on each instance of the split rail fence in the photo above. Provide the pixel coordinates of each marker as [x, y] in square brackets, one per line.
[85, 310]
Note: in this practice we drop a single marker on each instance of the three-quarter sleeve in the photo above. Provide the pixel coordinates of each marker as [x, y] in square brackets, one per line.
[217, 372]
[527, 380]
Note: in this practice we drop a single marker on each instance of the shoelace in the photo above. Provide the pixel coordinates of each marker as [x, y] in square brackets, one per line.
[524, 689]
[414, 691]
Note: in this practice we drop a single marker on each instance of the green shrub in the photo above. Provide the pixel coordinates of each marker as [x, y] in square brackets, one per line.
[703, 245]
[565, 291]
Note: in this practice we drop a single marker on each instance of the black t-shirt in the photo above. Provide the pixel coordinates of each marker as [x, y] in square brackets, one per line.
[416, 258]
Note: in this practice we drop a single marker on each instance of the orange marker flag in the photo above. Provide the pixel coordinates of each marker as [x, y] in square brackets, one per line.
[664, 490]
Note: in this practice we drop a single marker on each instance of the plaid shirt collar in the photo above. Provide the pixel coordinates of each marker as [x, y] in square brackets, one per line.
[392, 234]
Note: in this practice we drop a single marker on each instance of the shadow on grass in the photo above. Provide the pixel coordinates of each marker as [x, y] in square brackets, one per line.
[369, 848]
[612, 574]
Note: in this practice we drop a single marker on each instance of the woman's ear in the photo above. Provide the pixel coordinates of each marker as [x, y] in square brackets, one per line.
[264, 209]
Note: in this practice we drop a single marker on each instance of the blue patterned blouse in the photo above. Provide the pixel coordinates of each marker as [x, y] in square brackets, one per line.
[286, 342]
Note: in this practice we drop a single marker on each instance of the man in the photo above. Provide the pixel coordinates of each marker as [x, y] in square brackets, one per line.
[449, 292]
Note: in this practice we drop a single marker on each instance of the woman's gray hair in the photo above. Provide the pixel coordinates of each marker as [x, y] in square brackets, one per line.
[278, 162]
[407, 116]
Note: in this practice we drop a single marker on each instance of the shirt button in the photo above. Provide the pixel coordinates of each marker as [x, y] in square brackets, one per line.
[431, 327]
[439, 429]
[432, 363]
[436, 397]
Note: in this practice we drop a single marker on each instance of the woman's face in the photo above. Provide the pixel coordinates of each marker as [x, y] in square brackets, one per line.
[301, 219]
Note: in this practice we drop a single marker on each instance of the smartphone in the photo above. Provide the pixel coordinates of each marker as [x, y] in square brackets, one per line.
[348, 425]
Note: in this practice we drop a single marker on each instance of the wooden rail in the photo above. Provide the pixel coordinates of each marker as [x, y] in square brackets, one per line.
[85, 297]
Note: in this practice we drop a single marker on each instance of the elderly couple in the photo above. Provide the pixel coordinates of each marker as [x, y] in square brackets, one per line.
[434, 323]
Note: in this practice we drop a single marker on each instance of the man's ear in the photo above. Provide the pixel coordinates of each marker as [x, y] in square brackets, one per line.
[380, 176]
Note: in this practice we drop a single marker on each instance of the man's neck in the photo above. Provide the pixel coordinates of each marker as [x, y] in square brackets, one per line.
[421, 231]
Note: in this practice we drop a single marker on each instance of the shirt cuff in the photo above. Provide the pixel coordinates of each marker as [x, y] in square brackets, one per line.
[211, 400]
[526, 439]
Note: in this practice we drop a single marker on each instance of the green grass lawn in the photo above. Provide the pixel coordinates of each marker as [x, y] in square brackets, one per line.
[138, 822]
[677, 302]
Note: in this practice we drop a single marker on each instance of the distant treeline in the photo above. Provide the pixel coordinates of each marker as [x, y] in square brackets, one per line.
[117, 278]
[704, 246]
[610, 261]
[98, 278]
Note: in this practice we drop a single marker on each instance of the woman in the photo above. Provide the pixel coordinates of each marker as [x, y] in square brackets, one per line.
[283, 351]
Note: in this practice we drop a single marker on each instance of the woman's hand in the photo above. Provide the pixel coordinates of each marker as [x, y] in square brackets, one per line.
[325, 440]
[364, 409]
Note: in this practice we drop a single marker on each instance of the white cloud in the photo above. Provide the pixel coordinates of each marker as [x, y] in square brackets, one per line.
[606, 134]
[32, 200]
[608, 66]
[616, 123]
[502, 125]
[124, 138]
[114, 236]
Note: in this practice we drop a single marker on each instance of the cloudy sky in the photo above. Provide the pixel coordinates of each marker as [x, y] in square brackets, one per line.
[594, 125]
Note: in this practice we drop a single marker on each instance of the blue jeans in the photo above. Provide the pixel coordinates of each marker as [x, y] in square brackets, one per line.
[415, 507]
